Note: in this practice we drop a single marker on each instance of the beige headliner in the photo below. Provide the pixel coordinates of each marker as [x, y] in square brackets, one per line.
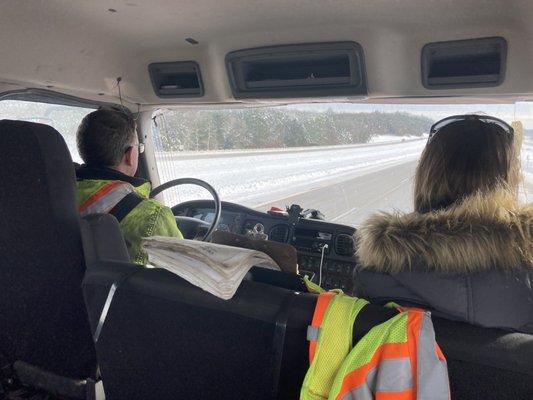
[80, 47]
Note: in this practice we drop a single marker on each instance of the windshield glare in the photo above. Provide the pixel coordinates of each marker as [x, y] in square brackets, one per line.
[346, 160]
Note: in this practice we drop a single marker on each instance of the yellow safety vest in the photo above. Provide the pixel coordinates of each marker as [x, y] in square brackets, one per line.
[396, 360]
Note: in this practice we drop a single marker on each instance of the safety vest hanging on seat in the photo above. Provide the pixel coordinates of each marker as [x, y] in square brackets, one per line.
[330, 337]
[396, 360]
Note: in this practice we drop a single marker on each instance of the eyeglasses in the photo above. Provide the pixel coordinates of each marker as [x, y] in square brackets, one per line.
[140, 146]
[437, 126]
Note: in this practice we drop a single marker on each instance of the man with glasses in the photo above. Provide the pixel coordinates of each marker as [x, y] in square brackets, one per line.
[106, 183]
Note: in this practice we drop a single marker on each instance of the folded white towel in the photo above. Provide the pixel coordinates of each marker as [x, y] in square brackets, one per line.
[215, 268]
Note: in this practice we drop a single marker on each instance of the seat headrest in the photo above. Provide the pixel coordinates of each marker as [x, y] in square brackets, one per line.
[35, 159]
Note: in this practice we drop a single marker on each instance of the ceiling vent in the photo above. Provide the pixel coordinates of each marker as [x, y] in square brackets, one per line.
[176, 79]
[345, 245]
[303, 70]
[464, 63]
[279, 233]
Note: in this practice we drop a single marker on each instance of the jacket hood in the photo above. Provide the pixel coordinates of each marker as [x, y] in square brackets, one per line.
[480, 233]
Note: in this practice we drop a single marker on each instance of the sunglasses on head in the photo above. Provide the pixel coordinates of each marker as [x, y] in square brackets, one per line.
[437, 126]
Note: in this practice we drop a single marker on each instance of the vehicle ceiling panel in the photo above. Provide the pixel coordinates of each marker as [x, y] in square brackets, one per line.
[81, 47]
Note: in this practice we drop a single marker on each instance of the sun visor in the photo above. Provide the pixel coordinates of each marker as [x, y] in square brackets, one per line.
[302, 70]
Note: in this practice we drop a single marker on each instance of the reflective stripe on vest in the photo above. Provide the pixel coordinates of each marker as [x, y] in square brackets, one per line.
[314, 329]
[397, 360]
[105, 198]
[432, 370]
[332, 331]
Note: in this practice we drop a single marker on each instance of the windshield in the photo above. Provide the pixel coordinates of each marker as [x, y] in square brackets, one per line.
[346, 160]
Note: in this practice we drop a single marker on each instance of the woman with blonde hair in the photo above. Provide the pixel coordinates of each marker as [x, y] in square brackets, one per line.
[466, 252]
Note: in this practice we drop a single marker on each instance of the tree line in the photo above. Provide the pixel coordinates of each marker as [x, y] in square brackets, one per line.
[245, 128]
[260, 128]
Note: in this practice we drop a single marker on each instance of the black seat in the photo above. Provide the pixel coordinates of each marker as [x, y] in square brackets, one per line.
[486, 363]
[43, 320]
[102, 240]
[164, 338]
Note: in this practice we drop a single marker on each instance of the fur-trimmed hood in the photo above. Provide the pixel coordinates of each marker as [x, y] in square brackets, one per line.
[481, 233]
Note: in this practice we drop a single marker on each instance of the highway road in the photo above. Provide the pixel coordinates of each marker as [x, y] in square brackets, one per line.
[346, 183]
[352, 200]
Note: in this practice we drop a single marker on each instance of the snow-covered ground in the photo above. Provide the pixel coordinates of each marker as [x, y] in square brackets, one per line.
[393, 138]
[527, 167]
[259, 179]
[256, 179]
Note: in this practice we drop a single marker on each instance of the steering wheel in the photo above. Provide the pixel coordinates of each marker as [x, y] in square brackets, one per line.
[193, 222]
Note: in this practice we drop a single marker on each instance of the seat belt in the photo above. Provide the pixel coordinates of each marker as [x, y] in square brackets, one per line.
[107, 305]
[126, 205]
[278, 341]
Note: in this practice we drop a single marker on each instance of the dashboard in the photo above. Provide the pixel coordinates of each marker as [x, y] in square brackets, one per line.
[315, 240]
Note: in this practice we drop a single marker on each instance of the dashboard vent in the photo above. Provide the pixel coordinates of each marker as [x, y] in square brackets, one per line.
[279, 233]
[345, 245]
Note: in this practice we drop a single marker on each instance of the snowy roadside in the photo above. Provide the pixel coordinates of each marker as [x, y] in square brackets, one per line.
[376, 141]
[392, 138]
[255, 178]
[527, 170]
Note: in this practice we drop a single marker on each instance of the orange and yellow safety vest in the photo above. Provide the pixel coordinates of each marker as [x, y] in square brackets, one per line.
[396, 360]
[147, 217]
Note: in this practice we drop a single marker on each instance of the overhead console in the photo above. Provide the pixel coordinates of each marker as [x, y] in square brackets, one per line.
[176, 79]
[464, 63]
[300, 70]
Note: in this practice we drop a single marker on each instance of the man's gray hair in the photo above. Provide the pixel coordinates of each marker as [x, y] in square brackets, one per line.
[103, 136]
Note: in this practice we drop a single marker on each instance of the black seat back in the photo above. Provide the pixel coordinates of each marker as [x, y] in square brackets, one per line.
[102, 240]
[486, 363]
[43, 320]
[164, 339]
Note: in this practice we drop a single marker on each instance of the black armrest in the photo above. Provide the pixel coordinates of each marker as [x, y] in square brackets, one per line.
[102, 239]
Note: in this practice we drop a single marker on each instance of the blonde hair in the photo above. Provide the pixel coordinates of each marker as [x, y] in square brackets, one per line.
[465, 158]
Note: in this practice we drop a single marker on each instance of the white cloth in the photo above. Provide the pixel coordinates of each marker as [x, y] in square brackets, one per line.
[215, 268]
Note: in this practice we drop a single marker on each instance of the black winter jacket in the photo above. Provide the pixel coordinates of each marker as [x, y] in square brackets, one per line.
[472, 261]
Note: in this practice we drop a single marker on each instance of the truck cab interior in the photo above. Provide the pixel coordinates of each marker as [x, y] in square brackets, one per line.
[305, 117]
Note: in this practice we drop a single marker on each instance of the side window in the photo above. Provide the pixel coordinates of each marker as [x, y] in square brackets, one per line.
[63, 118]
